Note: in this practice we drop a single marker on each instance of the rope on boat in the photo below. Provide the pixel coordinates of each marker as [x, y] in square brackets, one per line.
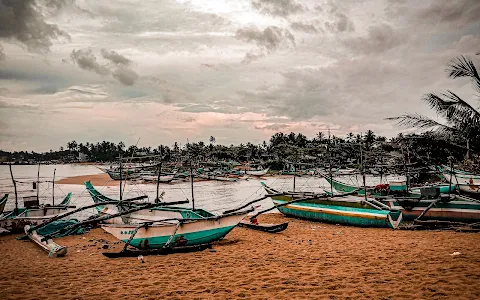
[167, 244]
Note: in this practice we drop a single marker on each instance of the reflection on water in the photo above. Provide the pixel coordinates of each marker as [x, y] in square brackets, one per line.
[211, 195]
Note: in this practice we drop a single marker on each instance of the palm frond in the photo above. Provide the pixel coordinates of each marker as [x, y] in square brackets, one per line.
[465, 118]
[437, 103]
[418, 121]
[463, 66]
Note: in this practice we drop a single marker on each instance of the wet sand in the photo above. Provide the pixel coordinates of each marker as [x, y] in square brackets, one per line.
[308, 260]
[97, 180]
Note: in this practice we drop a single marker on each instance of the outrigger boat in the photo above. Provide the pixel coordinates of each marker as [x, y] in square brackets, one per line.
[465, 181]
[345, 209]
[217, 178]
[163, 228]
[257, 172]
[383, 189]
[15, 220]
[441, 205]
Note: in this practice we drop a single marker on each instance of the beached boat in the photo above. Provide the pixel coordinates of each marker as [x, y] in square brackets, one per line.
[166, 227]
[176, 233]
[257, 172]
[453, 208]
[3, 201]
[384, 189]
[347, 210]
[16, 220]
[217, 178]
[48, 245]
[465, 181]
[155, 178]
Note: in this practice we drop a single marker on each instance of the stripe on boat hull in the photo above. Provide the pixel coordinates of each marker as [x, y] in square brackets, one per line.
[342, 215]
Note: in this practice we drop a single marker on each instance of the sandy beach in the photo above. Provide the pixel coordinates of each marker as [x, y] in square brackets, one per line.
[308, 260]
[97, 180]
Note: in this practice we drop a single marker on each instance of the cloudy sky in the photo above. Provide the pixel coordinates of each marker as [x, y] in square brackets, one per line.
[240, 70]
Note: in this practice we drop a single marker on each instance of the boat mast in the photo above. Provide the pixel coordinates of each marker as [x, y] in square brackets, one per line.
[330, 162]
[38, 183]
[53, 187]
[294, 176]
[191, 174]
[15, 188]
[157, 200]
[121, 175]
[362, 168]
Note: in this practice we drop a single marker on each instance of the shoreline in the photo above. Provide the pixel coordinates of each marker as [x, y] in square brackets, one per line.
[308, 260]
[103, 179]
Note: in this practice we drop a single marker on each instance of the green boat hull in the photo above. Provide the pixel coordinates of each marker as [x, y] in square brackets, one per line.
[191, 239]
[341, 214]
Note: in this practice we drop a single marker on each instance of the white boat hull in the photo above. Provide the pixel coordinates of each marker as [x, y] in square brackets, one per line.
[190, 233]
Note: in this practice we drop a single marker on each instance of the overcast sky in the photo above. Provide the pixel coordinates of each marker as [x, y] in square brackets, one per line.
[240, 70]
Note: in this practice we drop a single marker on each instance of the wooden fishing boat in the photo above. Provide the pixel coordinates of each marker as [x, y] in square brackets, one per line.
[257, 172]
[176, 233]
[16, 220]
[3, 201]
[217, 178]
[48, 245]
[127, 175]
[270, 228]
[465, 181]
[453, 208]
[347, 210]
[384, 189]
[155, 178]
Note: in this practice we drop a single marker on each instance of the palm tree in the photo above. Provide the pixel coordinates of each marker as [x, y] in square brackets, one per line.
[461, 120]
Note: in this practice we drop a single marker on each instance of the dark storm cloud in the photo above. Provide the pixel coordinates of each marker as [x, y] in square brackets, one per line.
[281, 8]
[22, 21]
[115, 57]
[380, 38]
[125, 75]
[270, 38]
[86, 60]
[299, 26]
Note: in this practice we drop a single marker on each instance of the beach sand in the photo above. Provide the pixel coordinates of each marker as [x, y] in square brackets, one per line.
[97, 180]
[308, 260]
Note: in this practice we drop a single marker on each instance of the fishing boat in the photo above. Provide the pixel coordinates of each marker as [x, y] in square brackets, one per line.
[154, 178]
[384, 189]
[347, 210]
[48, 245]
[465, 181]
[3, 201]
[15, 221]
[164, 227]
[217, 177]
[177, 232]
[259, 172]
[456, 210]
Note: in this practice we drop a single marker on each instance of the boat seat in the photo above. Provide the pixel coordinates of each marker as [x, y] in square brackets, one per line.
[430, 192]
